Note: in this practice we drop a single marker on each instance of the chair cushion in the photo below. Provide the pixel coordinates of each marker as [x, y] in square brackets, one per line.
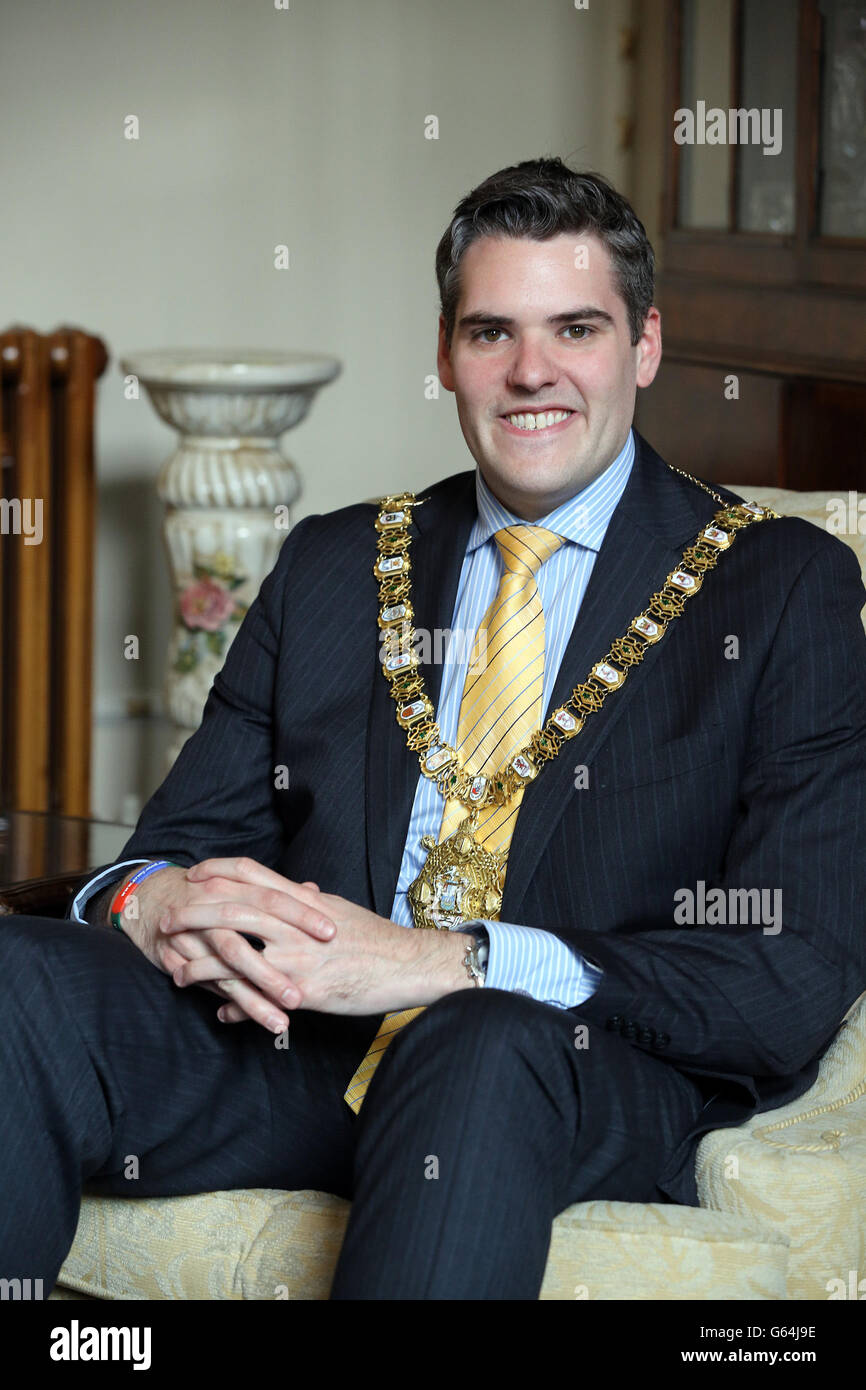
[264, 1244]
[801, 1169]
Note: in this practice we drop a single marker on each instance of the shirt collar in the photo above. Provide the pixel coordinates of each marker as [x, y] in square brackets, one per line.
[584, 518]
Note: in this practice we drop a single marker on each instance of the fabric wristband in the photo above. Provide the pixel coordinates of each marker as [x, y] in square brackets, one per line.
[126, 892]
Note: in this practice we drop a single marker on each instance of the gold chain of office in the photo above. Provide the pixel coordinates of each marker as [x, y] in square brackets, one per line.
[439, 761]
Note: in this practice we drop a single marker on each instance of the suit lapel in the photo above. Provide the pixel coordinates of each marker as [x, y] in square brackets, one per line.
[440, 533]
[654, 518]
[652, 522]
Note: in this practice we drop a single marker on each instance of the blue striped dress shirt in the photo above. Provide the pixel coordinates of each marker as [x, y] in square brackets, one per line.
[527, 960]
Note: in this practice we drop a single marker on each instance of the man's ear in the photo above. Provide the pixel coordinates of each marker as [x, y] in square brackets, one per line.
[443, 358]
[649, 348]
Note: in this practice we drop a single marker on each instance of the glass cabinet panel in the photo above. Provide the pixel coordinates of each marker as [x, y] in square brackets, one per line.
[743, 117]
[705, 83]
[766, 165]
[842, 177]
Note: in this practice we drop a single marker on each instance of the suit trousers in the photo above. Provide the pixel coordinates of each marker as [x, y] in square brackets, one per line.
[488, 1115]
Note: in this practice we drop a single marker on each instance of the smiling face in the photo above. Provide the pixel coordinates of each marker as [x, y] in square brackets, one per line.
[539, 329]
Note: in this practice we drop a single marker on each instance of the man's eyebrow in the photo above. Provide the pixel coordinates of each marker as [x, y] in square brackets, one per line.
[482, 318]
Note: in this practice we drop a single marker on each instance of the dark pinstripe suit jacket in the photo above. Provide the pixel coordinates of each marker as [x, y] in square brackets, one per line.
[740, 773]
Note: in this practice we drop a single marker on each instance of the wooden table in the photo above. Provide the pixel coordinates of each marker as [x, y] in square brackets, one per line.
[43, 857]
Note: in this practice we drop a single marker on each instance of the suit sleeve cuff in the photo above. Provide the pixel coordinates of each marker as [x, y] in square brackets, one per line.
[527, 960]
[96, 884]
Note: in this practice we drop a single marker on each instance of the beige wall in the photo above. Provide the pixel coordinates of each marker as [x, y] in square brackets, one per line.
[259, 127]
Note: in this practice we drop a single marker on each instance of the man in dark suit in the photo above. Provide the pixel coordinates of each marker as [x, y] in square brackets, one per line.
[578, 1031]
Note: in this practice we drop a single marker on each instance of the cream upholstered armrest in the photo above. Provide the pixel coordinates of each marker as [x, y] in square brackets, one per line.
[828, 508]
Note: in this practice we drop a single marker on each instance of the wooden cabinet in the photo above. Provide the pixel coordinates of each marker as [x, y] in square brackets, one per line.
[763, 244]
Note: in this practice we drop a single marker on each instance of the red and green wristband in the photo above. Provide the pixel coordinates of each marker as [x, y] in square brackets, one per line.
[129, 888]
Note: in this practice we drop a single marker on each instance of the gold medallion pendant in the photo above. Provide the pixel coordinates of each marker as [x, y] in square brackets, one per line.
[460, 880]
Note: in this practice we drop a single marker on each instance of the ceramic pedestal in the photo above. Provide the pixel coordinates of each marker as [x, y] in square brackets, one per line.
[228, 493]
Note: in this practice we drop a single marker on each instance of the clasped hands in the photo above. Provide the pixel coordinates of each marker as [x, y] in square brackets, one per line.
[321, 951]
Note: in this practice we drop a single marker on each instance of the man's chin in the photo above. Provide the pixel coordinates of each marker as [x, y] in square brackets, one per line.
[530, 492]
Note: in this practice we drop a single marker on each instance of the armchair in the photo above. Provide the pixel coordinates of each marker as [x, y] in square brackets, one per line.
[782, 1197]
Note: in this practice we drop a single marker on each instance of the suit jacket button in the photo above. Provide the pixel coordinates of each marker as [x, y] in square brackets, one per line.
[630, 1030]
[615, 1021]
[647, 1035]
[662, 1039]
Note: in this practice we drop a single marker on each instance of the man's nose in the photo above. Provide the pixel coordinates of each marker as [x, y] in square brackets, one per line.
[532, 365]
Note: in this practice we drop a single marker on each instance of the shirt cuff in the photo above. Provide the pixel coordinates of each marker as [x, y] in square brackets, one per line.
[96, 884]
[530, 961]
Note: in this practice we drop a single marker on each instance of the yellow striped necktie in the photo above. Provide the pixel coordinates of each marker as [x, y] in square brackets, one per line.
[500, 710]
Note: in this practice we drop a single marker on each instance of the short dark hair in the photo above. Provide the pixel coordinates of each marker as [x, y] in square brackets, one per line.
[541, 198]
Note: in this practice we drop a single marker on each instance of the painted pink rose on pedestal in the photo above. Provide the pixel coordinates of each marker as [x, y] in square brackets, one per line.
[206, 604]
[206, 607]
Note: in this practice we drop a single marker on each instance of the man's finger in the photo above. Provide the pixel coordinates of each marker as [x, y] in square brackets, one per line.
[249, 1003]
[245, 870]
[245, 917]
[235, 959]
[172, 960]
[256, 1007]
[189, 946]
[232, 1013]
[228, 879]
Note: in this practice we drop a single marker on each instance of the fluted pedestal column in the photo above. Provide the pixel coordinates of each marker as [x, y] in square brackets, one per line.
[228, 492]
